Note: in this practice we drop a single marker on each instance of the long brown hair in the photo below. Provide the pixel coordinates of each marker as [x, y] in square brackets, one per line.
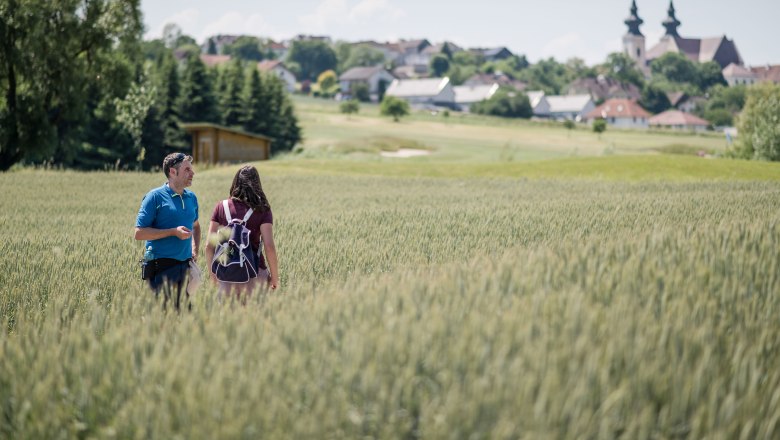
[246, 187]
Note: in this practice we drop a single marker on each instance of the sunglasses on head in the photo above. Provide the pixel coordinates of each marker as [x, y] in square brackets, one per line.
[179, 158]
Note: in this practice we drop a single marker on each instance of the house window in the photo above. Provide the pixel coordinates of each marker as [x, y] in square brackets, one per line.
[638, 52]
[634, 119]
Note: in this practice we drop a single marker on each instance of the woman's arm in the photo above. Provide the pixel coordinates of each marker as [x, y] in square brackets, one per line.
[267, 234]
[211, 246]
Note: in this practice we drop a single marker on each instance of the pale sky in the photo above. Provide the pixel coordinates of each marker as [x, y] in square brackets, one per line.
[589, 29]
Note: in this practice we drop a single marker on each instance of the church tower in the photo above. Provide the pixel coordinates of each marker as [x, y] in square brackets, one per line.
[633, 40]
[671, 22]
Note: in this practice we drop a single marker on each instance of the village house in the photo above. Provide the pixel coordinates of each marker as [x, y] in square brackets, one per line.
[539, 104]
[411, 72]
[220, 41]
[390, 51]
[499, 78]
[376, 78]
[620, 113]
[278, 68]
[768, 73]
[602, 88]
[280, 50]
[429, 92]
[493, 53]
[735, 75]
[466, 96]
[412, 52]
[677, 120]
[571, 107]
[214, 60]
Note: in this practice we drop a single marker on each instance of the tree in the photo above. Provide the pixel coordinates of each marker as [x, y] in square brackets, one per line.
[759, 123]
[395, 107]
[547, 75]
[569, 125]
[230, 102]
[709, 74]
[599, 126]
[361, 92]
[349, 107]
[363, 56]
[381, 89]
[623, 68]
[507, 103]
[440, 64]
[675, 67]
[314, 57]
[212, 47]
[247, 48]
[654, 99]
[171, 34]
[172, 136]
[197, 102]
[327, 80]
[60, 62]
[268, 110]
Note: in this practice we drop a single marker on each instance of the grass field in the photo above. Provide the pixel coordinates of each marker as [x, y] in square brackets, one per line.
[606, 296]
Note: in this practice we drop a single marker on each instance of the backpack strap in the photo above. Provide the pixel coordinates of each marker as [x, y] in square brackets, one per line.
[246, 217]
[227, 211]
[229, 218]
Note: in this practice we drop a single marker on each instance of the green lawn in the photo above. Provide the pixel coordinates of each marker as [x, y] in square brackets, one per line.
[474, 138]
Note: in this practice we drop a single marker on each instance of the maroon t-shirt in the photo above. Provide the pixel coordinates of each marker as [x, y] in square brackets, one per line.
[238, 210]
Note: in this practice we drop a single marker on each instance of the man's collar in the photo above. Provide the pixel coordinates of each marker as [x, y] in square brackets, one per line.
[173, 193]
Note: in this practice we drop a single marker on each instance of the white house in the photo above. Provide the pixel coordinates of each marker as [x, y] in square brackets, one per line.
[371, 76]
[539, 103]
[465, 96]
[621, 113]
[736, 75]
[424, 92]
[277, 68]
[573, 107]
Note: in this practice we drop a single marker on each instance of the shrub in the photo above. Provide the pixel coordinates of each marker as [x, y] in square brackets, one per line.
[395, 107]
[759, 123]
[349, 107]
[599, 126]
[507, 103]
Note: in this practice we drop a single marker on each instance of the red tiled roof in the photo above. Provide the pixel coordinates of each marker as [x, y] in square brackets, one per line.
[267, 65]
[214, 60]
[767, 73]
[676, 117]
[618, 108]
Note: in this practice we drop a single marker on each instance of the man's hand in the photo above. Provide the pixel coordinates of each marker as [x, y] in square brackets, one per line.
[182, 232]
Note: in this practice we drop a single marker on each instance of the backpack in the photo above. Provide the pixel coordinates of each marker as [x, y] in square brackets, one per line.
[234, 261]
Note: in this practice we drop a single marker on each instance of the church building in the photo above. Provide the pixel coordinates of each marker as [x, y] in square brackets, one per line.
[719, 49]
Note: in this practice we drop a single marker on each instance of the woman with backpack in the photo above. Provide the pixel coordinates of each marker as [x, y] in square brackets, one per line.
[248, 214]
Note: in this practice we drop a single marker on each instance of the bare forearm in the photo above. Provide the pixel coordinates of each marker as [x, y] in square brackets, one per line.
[195, 239]
[273, 262]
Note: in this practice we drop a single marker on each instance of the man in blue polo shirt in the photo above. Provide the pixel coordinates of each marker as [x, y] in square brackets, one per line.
[168, 222]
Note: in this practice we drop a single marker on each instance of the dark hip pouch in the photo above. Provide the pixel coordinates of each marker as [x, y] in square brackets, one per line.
[149, 269]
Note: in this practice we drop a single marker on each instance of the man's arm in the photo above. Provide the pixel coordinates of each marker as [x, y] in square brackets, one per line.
[156, 234]
[195, 240]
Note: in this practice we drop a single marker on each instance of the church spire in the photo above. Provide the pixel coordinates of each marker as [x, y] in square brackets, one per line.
[671, 22]
[633, 21]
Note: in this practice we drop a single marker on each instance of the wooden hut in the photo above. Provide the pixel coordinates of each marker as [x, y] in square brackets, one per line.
[212, 143]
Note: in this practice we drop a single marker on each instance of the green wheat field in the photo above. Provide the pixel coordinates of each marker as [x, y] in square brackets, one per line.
[596, 294]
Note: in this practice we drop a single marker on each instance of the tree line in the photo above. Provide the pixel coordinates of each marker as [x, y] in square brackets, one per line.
[80, 88]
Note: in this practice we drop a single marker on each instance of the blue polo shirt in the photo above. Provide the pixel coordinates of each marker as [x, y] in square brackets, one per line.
[163, 208]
